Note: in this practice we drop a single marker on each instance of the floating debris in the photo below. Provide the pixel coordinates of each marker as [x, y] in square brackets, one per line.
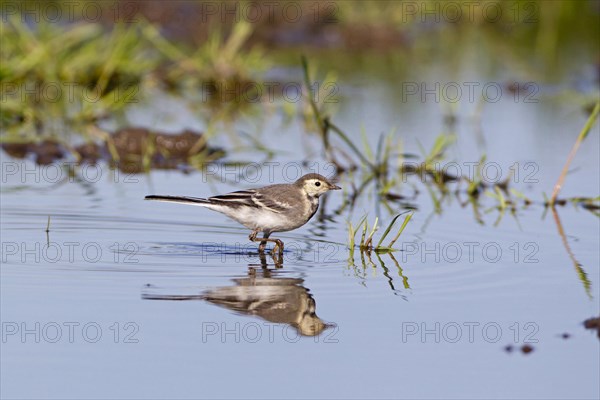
[593, 323]
[526, 349]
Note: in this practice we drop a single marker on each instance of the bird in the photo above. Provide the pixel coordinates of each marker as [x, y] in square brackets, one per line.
[275, 208]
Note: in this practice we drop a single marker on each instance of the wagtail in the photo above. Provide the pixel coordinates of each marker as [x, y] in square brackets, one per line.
[273, 208]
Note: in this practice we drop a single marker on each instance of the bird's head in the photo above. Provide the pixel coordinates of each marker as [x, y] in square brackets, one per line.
[315, 184]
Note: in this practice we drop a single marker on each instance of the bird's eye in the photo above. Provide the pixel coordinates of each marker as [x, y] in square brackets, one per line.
[317, 183]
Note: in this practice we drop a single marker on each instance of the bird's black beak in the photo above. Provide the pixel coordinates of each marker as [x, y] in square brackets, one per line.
[334, 187]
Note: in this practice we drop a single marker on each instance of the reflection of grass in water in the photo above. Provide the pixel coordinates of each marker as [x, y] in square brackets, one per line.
[587, 285]
[360, 271]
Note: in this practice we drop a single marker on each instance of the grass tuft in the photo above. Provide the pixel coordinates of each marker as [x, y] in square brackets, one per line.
[366, 241]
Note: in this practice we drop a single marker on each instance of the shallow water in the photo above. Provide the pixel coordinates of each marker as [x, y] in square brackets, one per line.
[132, 299]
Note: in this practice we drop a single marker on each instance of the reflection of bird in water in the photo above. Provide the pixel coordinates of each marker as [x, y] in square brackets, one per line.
[277, 300]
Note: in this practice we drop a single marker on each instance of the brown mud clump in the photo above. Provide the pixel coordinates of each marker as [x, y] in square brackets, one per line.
[132, 150]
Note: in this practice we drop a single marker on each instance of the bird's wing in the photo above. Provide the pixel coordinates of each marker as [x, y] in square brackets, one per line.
[256, 198]
[271, 202]
[235, 199]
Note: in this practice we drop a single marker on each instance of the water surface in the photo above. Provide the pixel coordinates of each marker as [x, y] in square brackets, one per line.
[139, 299]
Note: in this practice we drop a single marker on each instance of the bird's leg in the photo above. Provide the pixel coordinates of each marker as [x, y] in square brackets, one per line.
[278, 245]
[263, 244]
[252, 237]
[263, 241]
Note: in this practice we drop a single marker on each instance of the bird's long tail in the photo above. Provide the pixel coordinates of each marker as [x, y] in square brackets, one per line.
[197, 201]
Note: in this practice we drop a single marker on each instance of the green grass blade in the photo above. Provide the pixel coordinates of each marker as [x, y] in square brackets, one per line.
[364, 233]
[582, 135]
[387, 231]
[406, 220]
[370, 238]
